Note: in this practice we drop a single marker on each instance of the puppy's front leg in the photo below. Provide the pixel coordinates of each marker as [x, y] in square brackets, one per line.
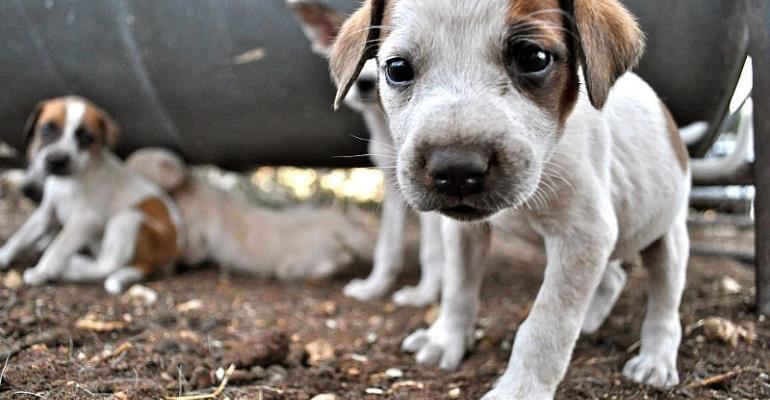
[450, 336]
[75, 234]
[32, 230]
[544, 342]
[389, 251]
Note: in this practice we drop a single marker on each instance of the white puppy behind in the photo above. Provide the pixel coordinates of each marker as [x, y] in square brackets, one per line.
[510, 113]
[321, 25]
[224, 228]
[91, 201]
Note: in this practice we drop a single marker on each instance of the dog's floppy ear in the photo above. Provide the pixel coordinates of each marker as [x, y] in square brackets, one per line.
[319, 22]
[110, 129]
[31, 123]
[357, 42]
[610, 43]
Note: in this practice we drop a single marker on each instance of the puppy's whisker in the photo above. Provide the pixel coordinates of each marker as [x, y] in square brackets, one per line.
[367, 155]
[375, 141]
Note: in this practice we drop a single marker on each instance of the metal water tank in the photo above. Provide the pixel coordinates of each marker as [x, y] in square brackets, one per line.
[234, 82]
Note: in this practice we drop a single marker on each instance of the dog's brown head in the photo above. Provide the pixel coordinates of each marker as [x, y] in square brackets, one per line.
[478, 92]
[65, 133]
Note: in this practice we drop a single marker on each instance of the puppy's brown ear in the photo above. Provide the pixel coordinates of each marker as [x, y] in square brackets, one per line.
[319, 22]
[31, 123]
[610, 43]
[357, 42]
[110, 130]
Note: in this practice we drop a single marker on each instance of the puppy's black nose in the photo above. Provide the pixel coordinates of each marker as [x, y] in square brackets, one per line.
[366, 85]
[57, 163]
[33, 191]
[457, 172]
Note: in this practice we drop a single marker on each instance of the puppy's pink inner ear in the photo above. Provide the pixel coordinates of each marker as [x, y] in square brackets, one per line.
[320, 23]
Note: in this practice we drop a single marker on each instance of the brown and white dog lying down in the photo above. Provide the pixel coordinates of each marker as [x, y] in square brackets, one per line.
[225, 228]
[511, 113]
[91, 201]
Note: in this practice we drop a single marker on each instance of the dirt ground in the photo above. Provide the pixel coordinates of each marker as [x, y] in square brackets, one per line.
[298, 340]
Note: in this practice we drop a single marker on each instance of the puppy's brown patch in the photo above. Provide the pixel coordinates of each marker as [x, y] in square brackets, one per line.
[98, 123]
[358, 41]
[610, 43]
[680, 149]
[544, 23]
[156, 242]
[52, 112]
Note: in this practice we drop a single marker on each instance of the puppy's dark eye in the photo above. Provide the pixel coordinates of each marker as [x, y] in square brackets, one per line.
[48, 130]
[399, 71]
[531, 59]
[83, 137]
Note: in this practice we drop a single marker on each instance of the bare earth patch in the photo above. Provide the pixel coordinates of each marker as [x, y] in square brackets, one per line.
[299, 340]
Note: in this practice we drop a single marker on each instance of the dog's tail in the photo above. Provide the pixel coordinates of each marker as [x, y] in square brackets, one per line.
[694, 132]
[713, 168]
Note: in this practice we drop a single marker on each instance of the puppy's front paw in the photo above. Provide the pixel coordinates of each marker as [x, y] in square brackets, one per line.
[366, 289]
[651, 370]
[442, 344]
[501, 392]
[416, 296]
[35, 276]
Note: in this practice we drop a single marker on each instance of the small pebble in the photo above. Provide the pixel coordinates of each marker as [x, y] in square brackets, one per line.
[319, 351]
[394, 373]
[376, 391]
[12, 280]
[730, 285]
[190, 305]
[325, 396]
[141, 294]
[455, 393]
[276, 373]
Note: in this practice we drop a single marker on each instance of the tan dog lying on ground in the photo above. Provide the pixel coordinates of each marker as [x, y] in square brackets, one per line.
[224, 228]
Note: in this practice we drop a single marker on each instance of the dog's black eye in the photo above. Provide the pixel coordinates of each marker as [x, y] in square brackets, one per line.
[399, 71]
[531, 59]
[83, 137]
[48, 130]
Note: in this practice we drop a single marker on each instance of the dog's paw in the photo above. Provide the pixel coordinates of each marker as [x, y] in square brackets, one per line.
[416, 296]
[655, 371]
[443, 345]
[35, 276]
[508, 393]
[366, 289]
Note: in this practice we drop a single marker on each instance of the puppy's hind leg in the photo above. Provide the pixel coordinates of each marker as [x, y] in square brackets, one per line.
[605, 297]
[666, 260]
[431, 263]
[117, 250]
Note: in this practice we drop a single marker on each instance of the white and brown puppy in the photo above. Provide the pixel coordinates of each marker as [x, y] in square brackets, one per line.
[91, 201]
[321, 25]
[521, 112]
[224, 228]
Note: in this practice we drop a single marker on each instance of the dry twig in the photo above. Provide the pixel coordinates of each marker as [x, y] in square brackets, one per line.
[212, 395]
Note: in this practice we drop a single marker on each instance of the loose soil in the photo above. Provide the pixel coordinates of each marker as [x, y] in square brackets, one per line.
[298, 340]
